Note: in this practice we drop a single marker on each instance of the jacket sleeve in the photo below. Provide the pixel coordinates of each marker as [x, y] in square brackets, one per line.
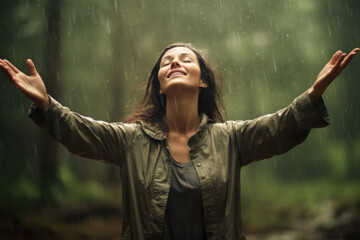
[277, 133]
[84, 136]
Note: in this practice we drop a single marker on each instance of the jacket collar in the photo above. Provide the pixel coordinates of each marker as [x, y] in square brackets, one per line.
[154, 130]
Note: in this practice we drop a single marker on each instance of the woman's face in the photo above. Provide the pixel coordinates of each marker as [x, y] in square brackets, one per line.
[179, 69]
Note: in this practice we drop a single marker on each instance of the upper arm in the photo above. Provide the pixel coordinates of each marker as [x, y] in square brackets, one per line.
[276, 133]
[84, 136]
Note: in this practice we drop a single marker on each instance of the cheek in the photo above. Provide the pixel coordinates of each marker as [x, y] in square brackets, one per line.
[161, 75]
[197, 72]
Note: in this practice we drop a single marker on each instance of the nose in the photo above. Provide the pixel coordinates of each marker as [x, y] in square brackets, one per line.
[175, 63]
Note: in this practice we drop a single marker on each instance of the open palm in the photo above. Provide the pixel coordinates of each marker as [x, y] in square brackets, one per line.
[31, 85]
[331, 70]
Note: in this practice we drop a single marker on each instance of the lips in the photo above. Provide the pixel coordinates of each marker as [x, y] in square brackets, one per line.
[176, 72]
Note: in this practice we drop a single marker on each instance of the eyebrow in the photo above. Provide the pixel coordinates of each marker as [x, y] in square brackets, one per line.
[181, 54]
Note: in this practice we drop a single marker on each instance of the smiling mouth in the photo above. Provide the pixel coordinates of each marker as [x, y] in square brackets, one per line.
[176, 73]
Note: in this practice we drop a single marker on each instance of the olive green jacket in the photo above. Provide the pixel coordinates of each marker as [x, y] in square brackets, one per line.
[218, 151]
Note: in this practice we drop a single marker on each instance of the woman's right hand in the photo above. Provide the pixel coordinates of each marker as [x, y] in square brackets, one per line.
[32, 86]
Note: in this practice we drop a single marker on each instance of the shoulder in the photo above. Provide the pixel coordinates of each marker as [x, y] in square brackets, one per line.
[226, 127]
[128, 128]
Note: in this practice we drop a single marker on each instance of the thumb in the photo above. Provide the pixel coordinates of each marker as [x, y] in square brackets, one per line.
[31, 67]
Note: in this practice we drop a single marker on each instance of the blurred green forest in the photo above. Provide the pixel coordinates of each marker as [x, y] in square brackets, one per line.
[95, 57]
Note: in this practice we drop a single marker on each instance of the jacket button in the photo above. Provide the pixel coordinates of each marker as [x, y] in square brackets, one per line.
[203, 177]
[199, 164]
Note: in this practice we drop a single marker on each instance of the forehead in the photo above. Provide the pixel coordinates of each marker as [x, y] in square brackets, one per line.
[178, 51]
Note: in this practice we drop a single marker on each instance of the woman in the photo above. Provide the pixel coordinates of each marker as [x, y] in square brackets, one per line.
[179, 162]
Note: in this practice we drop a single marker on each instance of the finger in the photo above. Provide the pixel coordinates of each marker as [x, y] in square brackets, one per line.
[11, 66]
[356, 50]
[347, 60]
[31, 67]
[4, 67]
[335, 57]
[339, 61]
[8, 71]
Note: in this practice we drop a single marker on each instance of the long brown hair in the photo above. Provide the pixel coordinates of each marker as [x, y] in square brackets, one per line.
[152, 108]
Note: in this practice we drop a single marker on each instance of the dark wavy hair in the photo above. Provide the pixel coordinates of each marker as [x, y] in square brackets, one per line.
[151, 109]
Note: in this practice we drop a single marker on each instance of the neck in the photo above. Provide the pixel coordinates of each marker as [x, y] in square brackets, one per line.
[182, 114]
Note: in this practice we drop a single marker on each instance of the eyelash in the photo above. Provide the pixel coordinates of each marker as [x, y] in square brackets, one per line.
[186, 61]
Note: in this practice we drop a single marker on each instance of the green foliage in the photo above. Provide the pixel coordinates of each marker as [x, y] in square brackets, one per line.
[76, 192]
[336, 156]
[280, 205]
[19, 190]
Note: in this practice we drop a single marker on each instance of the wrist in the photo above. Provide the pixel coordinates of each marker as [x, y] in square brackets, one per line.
[312, 94]
[45, 104]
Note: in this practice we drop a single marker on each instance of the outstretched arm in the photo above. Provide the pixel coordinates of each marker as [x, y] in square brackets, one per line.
[81, 135]
[31, 86]
[332, 69]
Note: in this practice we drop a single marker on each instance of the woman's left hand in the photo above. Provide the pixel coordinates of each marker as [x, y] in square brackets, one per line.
[328, 74]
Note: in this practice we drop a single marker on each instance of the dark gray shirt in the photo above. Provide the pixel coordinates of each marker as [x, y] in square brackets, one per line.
[184, 215]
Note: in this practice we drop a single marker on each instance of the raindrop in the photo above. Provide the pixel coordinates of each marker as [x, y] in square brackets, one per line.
[274, 65]
[35, 150]
[73, 16]
[270, 21]
[329, 31]
[125, 75]
[116, 5]
[176, 106]
[108, 26]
